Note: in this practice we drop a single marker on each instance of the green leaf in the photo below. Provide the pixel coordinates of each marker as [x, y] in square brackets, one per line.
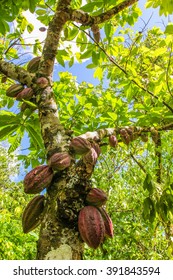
[4, 132]
[16, 140]
[30, 27]
[147, 185]
[169, 28]
[98, 73]
[7, 118]
[35, 135]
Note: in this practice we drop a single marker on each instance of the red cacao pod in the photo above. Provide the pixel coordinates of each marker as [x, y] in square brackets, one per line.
[32, 214]
[38, 179]
[96, 197]
[91, 226]
[113, 142]
[60, 161]
[42, 82]
[13, 90]
[80, 145]
[107, 222]
[96, 147]
[33, 65]
[26, 94]
[91, 157]
[42, 29]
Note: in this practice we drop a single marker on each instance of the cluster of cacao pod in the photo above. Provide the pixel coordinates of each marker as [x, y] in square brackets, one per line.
[40, 178]
[22, 92]
[94, 223]
[89, 151]
[34, 182]
[127, 135]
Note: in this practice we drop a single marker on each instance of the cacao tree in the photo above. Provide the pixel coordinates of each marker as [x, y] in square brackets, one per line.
[71, 127]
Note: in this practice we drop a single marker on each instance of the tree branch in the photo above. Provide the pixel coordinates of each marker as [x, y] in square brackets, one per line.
[138, 163]
[16, 73]
[85, 19]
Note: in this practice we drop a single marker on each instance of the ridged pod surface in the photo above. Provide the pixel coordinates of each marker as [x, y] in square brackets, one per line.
[96, 147]
[42, 82]
[113, 142]
[91, 226]
[60, 161]
[31, 217]
[91, 157]
[80, 145]
[107, 222]
[38, 179]
[33, 64]
[96, 197]
[13, 90]
[26, 94]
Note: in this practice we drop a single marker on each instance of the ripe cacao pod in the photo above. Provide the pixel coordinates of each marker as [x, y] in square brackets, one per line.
[42, 82]
[60, 161]
[38, 179]
[90, 157]
[96, 147]
[26, 94]
[14, 90]
[96, 197]
[80, 145]
[33, 65]
[32, 214]
[113, 142]
[130, 131]
[91, 226]
[107, 222]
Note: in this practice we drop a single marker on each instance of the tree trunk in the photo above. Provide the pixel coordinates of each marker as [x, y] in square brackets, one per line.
[59, 237]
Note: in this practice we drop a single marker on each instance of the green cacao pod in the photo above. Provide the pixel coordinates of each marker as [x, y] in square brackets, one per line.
[38, 179]
[14, 90]
[33, 65]
[32, 215]
[91, 226]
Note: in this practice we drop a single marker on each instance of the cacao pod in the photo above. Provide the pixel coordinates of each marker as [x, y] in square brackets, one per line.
[113, 142]
[123, 132]
[90, 157]
[80, 145]
[32, 214]
[60, 161]
[96, 197]
[144, 137]
[38, 179]
[42, 29]
[107, 222]
[91, 226]
[13, 90]
[26, 94]
[33, 65]
[96, 147]
[42, 82]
